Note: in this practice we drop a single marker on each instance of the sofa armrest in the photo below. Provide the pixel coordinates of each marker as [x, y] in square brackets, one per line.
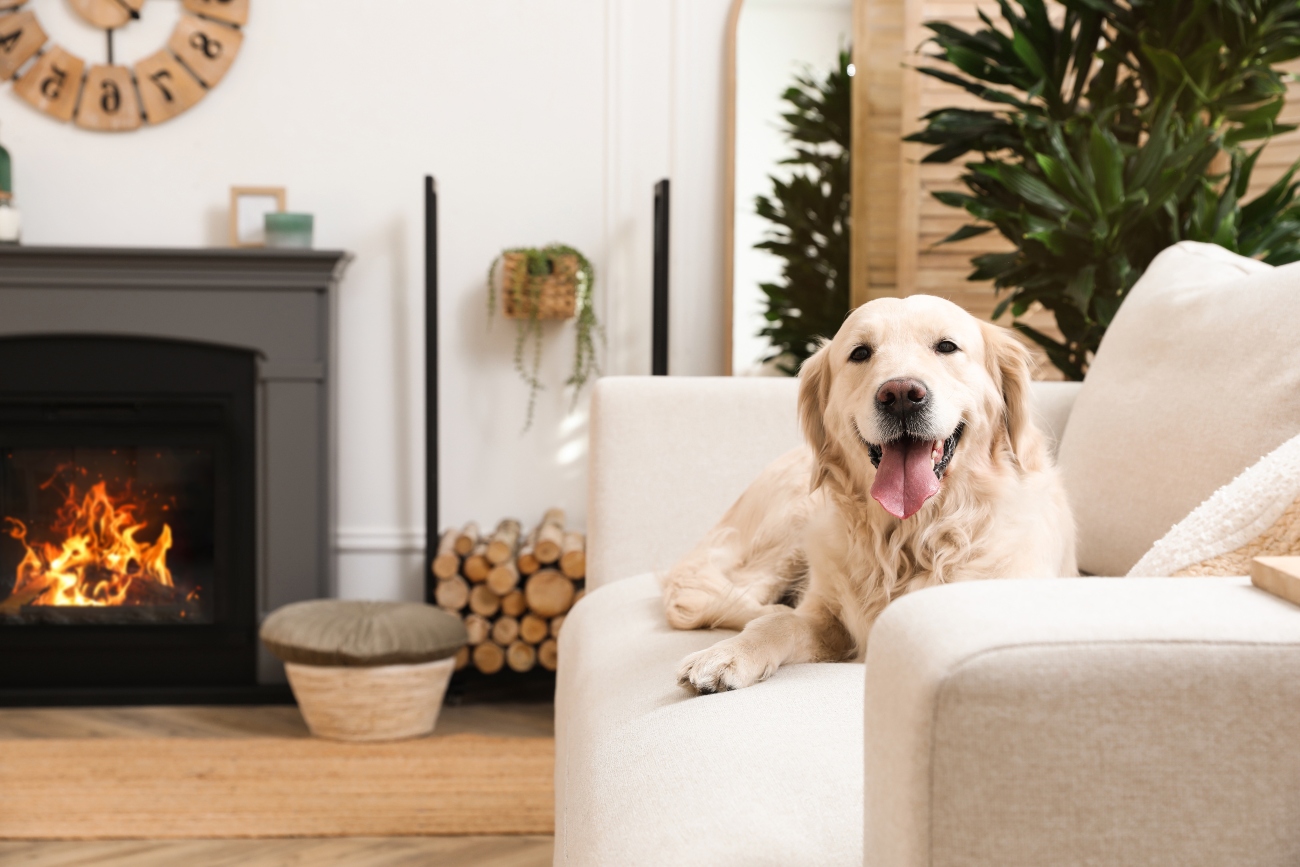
[669, 455]
[1082, 722]
[1053, 402]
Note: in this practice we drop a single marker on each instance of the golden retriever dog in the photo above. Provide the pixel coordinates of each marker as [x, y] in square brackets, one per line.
[923, 465]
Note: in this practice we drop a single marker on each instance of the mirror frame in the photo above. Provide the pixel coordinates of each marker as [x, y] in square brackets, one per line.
[729, 194]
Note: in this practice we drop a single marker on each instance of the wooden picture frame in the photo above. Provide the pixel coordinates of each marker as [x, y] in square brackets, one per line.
[248, 207]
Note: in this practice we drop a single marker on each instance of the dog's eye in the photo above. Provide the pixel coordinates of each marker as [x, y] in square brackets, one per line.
[860, 353]
[945, 347]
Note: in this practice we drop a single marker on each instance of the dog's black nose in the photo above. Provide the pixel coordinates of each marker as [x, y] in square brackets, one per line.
[902, 397]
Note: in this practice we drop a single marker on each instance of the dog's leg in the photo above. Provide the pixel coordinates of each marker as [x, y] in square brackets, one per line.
[725, 583]
[810, 633]
[703, 597]
[751, 559]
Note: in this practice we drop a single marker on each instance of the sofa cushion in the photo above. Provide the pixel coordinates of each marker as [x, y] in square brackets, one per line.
[1197, 378]
[648, 774]
[669, 454]
[1256, 515]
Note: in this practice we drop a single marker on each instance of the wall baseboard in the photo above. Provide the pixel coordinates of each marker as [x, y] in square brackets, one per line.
[378, 540]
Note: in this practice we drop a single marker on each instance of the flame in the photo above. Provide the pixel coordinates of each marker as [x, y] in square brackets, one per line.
[99, 560]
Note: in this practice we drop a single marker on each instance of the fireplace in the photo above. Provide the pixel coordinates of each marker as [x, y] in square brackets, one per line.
[164, 480]
[127, 498]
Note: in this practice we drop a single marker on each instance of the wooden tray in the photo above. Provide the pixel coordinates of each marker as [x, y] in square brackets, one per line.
[1278, 575]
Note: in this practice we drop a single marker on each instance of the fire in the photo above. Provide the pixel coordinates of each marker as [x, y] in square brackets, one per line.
[99, 561]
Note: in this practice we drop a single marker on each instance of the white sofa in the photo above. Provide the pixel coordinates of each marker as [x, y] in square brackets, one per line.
[1069, 722]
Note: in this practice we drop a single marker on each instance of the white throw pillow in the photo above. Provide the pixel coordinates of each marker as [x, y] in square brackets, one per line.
[1197, 378]
[1255, 515]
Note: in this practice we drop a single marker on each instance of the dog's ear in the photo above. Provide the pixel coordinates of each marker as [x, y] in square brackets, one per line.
[814, 389]
[1010, 364]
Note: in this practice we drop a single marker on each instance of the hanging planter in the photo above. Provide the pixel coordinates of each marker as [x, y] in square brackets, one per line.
[552, 294]
[554, 282]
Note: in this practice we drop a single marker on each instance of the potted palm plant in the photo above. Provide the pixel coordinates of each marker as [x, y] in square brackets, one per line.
[1113, 129]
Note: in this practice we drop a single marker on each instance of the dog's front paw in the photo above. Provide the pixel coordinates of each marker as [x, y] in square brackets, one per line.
[726, 665]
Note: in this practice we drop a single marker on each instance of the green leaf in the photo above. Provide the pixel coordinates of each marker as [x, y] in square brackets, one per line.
[983, 92]
[946, 35]
[1154, 153]
[1082, 182]
[1085, 47]
[1264, 113]
[1225, 233]
[1002, 307]
[1052, 239]
[1026, 52]
[992, 265]
[1107, 307]
[1081, 287]
[971, 63]
[952, 199]
[1055, 172]
[947, 153]
[1058, 352]
[1023, 184]
[966, 232]
[1172, 70]
[1267, 206]
[1107, 168]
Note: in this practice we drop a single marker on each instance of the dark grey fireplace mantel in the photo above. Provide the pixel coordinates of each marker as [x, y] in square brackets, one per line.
[276, 303]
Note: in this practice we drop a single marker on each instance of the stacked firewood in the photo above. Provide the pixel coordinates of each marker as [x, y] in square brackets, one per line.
[512, 590]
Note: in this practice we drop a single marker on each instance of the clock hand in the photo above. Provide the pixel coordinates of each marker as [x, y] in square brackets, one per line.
[135, 16]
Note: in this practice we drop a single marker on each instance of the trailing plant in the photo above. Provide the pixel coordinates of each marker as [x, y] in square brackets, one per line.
[1115, 129]
[528, 297]
[810, 218]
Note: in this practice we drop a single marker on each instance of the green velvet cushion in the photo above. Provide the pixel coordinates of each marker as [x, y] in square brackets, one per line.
[344, 632]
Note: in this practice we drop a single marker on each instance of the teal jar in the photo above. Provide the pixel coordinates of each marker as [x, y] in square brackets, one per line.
[284, 229]
[6, 172]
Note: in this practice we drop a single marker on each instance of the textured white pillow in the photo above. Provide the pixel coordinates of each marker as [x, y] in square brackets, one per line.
[1198, 377]
[1255, 515]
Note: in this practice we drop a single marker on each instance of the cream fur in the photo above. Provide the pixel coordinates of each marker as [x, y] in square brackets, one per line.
[809, 528]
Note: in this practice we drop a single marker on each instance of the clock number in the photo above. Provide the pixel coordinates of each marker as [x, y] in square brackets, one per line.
[9, 40]
[158, 77]
[206, 45]
[52, 86]
[110, 98]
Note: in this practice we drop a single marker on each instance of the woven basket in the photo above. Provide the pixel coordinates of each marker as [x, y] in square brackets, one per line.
[556, 293]
[380, 703]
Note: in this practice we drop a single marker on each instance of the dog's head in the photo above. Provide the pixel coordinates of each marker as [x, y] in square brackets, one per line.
[910, 391]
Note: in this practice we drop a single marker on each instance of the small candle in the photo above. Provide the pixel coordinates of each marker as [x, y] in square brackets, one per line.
[10, 220]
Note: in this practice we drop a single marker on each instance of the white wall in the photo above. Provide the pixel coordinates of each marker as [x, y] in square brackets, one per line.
[541, 121]
[775, 40]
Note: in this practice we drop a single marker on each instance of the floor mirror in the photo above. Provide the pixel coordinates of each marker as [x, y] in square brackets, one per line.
[790, 80]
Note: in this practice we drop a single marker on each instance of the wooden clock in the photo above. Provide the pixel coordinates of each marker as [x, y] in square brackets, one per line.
[112, 98]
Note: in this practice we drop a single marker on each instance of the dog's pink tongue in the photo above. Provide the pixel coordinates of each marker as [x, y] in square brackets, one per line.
[905, 478]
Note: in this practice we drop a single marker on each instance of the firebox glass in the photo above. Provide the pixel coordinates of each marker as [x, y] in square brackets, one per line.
[107, 535]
